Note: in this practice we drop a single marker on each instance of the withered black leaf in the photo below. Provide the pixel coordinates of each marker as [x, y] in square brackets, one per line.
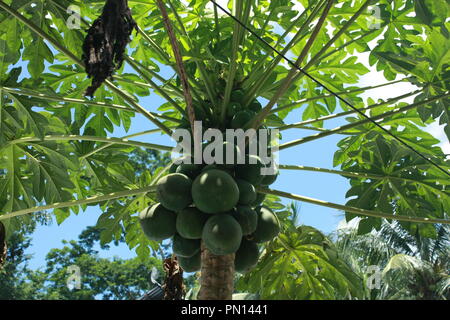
[105, 42]
[173, 285]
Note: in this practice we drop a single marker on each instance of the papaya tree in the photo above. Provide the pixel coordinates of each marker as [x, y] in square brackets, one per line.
[229, 65]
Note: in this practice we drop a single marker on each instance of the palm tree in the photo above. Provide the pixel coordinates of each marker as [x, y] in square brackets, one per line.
[415, 267]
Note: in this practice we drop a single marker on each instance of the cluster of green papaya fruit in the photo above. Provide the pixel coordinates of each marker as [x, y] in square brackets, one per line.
[213, 204]
[238, 116]
[216, 204]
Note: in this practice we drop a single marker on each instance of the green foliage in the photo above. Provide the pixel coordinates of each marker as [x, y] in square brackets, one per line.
[298, 265]
[120, 218]
[411, 278]
[414, 266]
[111, 279]
[13, 275]
[400, 184]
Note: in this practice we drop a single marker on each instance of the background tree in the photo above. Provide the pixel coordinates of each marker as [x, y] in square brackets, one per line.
[414, 267]
[14, 281]
[106, 279]
[101, 278]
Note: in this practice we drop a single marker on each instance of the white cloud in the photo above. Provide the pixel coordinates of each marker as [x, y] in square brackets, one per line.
[345, 226]
[374, 77]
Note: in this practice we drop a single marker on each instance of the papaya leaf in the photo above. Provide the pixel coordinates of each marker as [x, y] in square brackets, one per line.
[301, 264]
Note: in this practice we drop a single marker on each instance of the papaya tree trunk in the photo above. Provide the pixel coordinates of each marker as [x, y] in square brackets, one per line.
[217, 276]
